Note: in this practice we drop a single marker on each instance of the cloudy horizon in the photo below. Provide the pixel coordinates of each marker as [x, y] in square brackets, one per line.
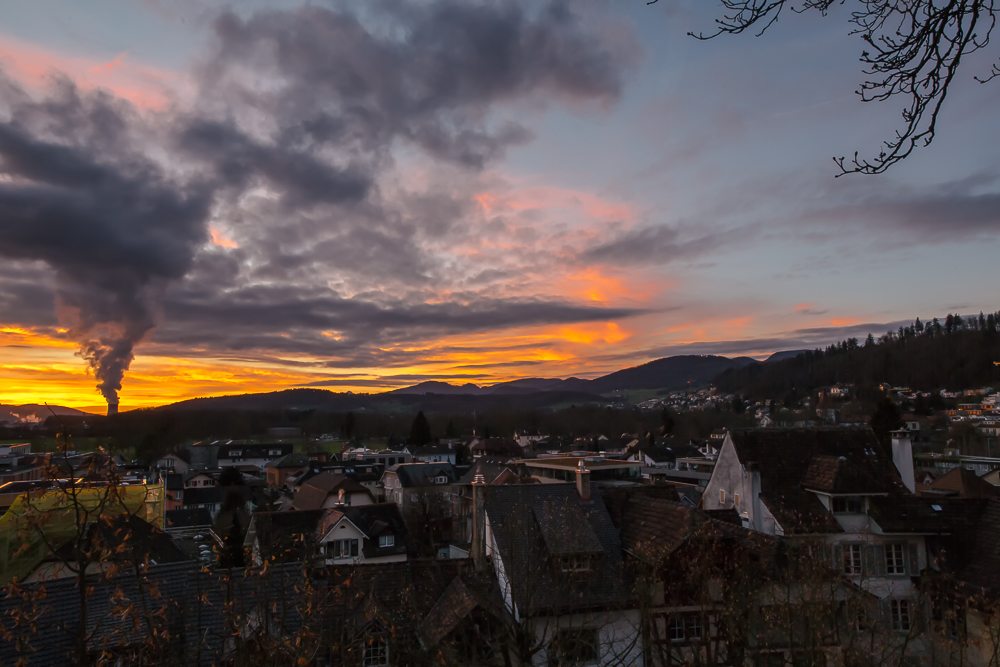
[200, 200]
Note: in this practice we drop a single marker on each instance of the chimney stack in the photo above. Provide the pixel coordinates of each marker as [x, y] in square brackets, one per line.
[583, 481]
[112, 409]
[478, 524]
[902, 456]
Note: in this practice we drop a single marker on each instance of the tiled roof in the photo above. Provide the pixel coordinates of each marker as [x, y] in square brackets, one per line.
[653, 528]
[454, 605]
[380, 519]
[189, 602]
[423, 474]
[964, 483]
[314, 492]
[517, 514]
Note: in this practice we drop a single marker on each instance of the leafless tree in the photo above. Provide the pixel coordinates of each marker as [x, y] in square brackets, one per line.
[913, 48]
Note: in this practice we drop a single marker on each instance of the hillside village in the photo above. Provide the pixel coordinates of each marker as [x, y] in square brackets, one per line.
[827, 545]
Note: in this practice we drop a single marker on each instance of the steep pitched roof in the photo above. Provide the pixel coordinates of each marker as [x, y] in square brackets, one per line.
[423, 474]
[377, 520]
[527, 523]
[652, 528]
[840, 460]
[314, 492]
[963, 483]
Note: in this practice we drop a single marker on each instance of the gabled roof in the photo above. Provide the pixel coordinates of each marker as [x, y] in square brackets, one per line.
[653, 528]
[963, 483]
[286, 536]
[791, 461]
[378, 520]
[314, 492]
[528, 522]
[423, 474]
[490, 468]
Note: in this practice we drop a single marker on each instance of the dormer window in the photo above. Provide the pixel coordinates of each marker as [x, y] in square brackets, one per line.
[385, 541]
[848, 505]
[440, 479]
[576, 563]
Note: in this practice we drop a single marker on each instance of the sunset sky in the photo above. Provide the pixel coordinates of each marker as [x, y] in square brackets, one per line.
[362, 196]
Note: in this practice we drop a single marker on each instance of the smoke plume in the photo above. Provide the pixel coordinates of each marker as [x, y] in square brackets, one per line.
[115, 226]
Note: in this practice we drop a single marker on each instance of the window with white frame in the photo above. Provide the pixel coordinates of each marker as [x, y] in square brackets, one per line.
[342, 548]
[694, 627]
[848, 505]
[899, 610]
[675, 630]
[577, 563]
[386, 540]
[853, 562]
[895, 559]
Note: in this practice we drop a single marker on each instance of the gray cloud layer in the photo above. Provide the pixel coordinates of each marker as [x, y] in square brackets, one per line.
[291, 145]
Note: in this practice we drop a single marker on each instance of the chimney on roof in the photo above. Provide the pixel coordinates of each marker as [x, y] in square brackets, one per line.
[902, 456]
[583, 481]
[478, 523]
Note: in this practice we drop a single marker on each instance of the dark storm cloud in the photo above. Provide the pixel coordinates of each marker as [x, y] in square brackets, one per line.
[292, 319]
[429, 74]
[110, 222]
[289, 140]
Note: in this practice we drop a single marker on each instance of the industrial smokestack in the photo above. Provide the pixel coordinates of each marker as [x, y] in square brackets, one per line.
[112, 409]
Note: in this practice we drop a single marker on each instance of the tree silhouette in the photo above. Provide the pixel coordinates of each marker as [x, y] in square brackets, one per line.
[420, 431]
[912, 48]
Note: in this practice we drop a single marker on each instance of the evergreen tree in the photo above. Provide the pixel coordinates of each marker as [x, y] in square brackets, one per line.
[420, 430]
[449, 430]
[885, 419]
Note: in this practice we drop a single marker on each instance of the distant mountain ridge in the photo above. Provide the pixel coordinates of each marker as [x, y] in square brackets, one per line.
[669, 373]
[33, 412]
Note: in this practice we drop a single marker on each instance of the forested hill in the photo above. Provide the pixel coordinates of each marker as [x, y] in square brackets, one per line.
[955, 353]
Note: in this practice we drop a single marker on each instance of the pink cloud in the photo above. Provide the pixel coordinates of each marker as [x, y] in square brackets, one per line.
[144, 86]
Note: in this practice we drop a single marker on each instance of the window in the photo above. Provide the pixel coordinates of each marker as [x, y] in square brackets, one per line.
[342, 549]
[852, 558]
[575, 563]
[386, 540]
[676, 629]
[274, 452]
[848, 505]
[899, 610]
[376, 652]
[722, 495]
[895, 560]
[736, 499]
[578, 646]
[694, 627]
[440, 479]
